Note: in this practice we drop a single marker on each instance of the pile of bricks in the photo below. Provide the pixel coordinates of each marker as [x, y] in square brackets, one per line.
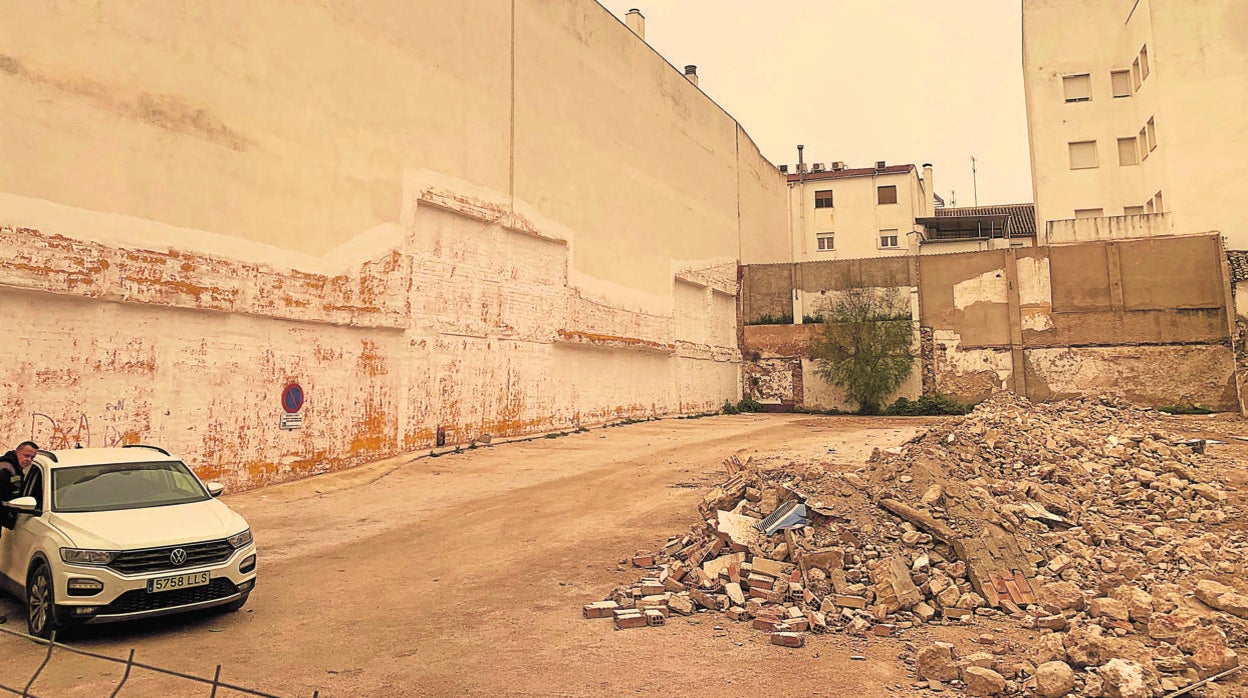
[1085, 521]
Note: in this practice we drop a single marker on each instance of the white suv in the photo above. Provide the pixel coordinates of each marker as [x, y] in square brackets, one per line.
[109, 534]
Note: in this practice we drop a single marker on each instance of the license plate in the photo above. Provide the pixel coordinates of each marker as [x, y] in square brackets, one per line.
[181, 581]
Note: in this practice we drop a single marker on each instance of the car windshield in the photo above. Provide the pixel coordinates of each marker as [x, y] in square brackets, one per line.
[124, 486]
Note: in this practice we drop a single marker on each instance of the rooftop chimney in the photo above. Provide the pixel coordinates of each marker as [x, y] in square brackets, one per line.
[929, 186]
[637, 22]
[691, 72]
[801, 162]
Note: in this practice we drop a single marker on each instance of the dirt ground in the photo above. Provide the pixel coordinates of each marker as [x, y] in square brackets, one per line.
[465, 575]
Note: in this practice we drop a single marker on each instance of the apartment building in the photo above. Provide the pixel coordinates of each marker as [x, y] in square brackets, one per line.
[1135, 111]
[847, 213]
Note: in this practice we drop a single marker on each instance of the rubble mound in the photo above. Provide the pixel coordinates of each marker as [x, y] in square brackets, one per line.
[1086, 520]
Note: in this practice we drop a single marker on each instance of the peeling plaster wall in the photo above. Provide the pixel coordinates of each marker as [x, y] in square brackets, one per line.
[212, 202]
[1147, 318]
[1157, 376]
[969, 375]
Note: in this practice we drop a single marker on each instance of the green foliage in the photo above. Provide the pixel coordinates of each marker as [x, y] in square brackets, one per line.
[769, 319]
[1185, 408]
[812, 319]
[749, 404]
[864, 347]
[729, 408]
[927, 405]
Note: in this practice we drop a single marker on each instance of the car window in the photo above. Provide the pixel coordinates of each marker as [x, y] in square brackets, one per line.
[124, 486]
[32, 485]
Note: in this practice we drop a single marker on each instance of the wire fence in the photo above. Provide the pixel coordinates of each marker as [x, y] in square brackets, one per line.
[211, 685]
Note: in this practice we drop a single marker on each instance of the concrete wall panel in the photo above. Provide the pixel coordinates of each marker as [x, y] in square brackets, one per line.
[965, 293]
[1148, 375]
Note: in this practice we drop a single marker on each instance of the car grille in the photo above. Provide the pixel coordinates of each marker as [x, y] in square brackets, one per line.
[137, 600]
[157, 559]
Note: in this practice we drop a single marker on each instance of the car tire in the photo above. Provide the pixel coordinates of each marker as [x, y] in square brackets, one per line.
[40, 602]
[237, 604]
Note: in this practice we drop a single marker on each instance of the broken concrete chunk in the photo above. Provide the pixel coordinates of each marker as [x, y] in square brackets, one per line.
[983, 682]
[1123, 678]
[935, 662]
[1054, 680]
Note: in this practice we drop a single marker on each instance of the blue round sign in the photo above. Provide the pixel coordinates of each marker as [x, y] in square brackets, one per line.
[292, 398]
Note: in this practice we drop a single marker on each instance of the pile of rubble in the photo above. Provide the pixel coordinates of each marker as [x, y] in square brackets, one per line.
[1086, 521]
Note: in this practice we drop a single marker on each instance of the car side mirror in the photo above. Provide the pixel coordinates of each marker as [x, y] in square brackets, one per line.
[215, 489]
[23, 504]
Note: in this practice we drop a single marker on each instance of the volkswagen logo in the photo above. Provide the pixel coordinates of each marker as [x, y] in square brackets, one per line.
[177, 557]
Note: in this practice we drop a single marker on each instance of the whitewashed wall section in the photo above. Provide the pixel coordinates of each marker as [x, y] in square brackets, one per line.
[470, 328]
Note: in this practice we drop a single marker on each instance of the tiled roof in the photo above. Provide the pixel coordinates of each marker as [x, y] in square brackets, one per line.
[1020, 218]
[855, 172]
[1239, 265]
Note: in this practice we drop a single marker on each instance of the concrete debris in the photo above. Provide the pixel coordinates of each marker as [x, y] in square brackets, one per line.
[1084, 520]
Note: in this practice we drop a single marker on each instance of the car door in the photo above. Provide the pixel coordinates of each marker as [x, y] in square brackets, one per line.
[17, 545]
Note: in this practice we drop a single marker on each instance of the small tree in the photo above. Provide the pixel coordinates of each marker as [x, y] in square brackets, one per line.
[864, 347]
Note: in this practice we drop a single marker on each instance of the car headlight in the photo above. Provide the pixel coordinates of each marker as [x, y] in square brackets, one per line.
[80, 556]
[238, 540]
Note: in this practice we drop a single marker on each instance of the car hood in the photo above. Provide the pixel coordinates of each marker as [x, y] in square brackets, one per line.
[149, 527]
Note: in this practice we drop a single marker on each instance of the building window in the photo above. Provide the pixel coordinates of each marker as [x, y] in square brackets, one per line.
[1127, 151]
[1078, 88]
[1148, 206]
[823, 199]
[1083, 155]
[1157, 203]
[1132, 210]
[1143, 140]
[826, 241]
[886, 195]
[1089, 212]
[1121, 81]
[888, 240]
[1151, 129]
[1135, 74]
[1143, 62]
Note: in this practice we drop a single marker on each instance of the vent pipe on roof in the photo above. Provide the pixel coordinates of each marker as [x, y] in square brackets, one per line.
[637, 22]
[691, 72]
[801, 163]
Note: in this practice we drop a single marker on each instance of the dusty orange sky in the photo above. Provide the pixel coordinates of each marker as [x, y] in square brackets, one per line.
[905, 81]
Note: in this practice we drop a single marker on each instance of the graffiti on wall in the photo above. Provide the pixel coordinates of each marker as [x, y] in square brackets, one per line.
[116, 427]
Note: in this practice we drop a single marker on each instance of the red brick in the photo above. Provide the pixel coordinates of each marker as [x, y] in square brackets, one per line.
[600, 609]
[634, 620]
[770, 624]
[786, 639]
[654, 617]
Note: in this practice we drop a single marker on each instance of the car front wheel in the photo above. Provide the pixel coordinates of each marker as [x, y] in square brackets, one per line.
[40, 603]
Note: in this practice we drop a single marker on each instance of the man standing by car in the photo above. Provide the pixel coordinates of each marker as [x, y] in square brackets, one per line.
[13, 466]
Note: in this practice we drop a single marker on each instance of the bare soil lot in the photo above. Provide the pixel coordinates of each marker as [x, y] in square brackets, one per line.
[465, 575]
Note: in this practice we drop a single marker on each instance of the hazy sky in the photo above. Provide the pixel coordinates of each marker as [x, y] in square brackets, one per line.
[905, 81]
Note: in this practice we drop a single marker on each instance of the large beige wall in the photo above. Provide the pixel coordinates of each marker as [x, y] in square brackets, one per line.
[474, 217]
[1196, 93]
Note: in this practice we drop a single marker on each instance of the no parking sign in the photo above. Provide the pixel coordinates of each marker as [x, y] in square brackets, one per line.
[292, 402]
